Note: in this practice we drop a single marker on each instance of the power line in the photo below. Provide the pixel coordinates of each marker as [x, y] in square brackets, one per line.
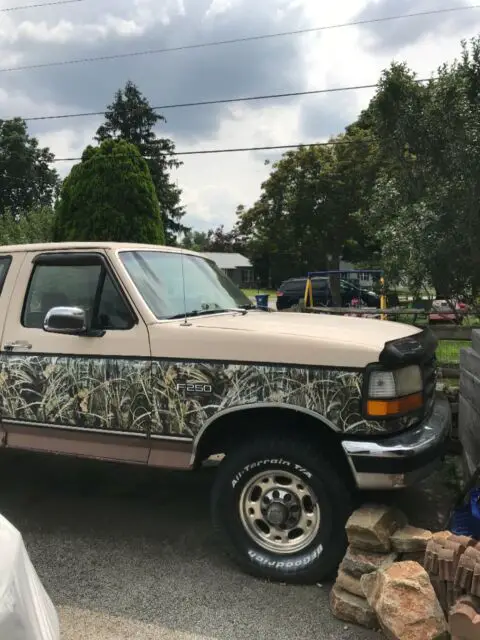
[202, 103]
[242, 149]
[39, 5]
[217, 43]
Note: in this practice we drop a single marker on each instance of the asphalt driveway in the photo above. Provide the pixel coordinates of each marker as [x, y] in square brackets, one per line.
[127, 552]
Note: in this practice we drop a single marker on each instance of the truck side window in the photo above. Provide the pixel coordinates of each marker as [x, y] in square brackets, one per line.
[4, 267]
[75, 286]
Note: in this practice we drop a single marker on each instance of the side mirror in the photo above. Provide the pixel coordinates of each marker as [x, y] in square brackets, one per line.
[67, 320]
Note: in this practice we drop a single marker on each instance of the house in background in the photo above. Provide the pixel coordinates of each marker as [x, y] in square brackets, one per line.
[237, 267]
[363, 279]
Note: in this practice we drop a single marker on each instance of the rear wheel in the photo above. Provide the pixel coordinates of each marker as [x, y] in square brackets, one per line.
[281, 509]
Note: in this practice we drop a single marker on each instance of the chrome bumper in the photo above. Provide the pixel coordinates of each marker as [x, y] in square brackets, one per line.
[400, 460]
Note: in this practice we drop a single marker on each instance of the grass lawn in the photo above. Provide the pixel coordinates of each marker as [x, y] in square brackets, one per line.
[448, 351]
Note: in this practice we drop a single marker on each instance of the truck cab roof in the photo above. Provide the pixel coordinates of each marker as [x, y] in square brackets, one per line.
[82, 246]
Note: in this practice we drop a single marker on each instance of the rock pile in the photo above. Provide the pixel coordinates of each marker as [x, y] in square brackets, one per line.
[408, 581]
[405, 603]
[380, 570]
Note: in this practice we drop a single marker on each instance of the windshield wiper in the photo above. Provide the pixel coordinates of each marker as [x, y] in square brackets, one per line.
[204, 312]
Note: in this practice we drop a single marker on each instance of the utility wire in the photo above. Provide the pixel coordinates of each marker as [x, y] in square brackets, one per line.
[179, 105]
[39, 5]
[217, 43]
[242, 149]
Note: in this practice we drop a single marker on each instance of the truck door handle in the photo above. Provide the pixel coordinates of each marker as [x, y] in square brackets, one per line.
[17, 344]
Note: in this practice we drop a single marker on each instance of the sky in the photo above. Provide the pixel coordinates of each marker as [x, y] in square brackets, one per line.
[214, 185]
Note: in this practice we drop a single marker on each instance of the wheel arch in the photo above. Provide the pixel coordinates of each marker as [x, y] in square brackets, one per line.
[235, 425]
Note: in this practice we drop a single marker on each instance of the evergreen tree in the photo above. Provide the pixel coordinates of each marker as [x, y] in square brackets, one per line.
[109, 195]
[130, 117]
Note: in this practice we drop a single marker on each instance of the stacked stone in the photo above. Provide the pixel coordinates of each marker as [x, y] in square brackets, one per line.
[378, 536]
[453, 565]
[464, 619]
[403, 598]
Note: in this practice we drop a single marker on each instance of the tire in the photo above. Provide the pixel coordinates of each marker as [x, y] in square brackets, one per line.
[325, 503]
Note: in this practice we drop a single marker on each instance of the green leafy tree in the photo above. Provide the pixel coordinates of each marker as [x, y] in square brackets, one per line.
[400, 189]
[26, 177]
[109, 195]
[303, 219]
[195, 240]
[130, 117]
[425, 205]
[27, 227]
[213, 240]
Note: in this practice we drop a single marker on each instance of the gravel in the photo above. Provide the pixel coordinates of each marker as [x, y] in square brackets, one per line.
[127, 552]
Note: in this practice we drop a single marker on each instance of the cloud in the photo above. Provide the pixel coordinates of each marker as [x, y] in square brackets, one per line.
[214, 185]
[392, 36]
[326, 116]
[233, 70]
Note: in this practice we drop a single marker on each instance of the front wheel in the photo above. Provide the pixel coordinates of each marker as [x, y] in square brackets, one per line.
[281, 510]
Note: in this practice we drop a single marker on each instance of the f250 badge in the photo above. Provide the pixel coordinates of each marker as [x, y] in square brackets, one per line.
[195, 388]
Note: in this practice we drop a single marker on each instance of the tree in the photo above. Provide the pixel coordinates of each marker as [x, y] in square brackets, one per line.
[357, 158]
[27, 227]
[195, 240]
[213, 240]
[425, 210]
[26, 179]
[130, 117]
[303, 219]
[224, 241]
[109, 195]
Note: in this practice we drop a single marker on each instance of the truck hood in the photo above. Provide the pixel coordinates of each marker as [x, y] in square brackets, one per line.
[293, 338]
[341, 329]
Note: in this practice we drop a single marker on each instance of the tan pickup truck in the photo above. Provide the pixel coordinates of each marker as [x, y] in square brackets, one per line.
[150, 355]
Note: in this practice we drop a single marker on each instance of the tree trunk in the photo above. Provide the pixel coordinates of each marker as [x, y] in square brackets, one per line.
[334, 281]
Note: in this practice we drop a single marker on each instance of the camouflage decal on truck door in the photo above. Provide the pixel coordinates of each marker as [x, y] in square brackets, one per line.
[160, 397]
[97, 393]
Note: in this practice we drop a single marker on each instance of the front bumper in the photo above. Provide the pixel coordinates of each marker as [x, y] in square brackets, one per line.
[397, 461]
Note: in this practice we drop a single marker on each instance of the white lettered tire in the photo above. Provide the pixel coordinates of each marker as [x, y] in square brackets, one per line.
[280, 509]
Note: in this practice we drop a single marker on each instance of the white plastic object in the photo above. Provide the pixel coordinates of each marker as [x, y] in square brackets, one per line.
[26, 611]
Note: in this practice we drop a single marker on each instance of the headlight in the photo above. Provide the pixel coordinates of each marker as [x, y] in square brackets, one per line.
[393, 393]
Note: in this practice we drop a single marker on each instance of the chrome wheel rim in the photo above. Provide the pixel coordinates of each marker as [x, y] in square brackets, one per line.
[279, 511]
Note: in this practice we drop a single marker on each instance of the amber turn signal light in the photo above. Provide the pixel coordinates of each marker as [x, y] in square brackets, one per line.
[394, 407]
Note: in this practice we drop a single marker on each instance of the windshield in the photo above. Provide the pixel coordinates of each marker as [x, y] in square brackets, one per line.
[160, 276]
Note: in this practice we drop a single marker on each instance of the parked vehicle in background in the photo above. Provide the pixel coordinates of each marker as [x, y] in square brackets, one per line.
[151, 355]
[293, 290]
[442, 311]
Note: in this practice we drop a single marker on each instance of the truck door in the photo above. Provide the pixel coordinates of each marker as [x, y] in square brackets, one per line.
[85, 395]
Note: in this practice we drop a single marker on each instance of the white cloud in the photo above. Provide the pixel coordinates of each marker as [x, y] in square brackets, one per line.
[217, 7]
[213, 185]
[117, 19]
[66, 143]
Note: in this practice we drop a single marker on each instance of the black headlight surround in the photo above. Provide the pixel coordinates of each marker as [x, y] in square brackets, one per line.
[413, 349]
